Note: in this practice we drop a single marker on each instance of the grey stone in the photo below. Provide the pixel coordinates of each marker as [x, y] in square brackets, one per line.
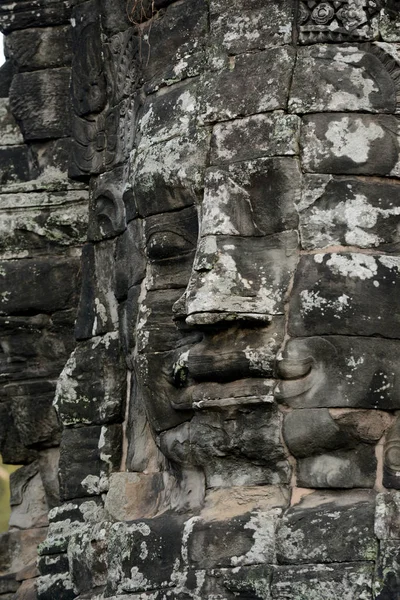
[175, 43]
[339, 371]
[313, 431]
[22, 287]
[329, 527]
[106, 207]
[391, 461]
[130, 262]
[253, 25]
[348, 211]
[31, 510]
[387, 580]
[389, 25]
[345, 293]
[226, 264]
[350, 144]
[387, 516]
[92, 387]
[340, 469]
[333, 78]
[16, 164]
[39, 101]
[40, 48]
[253, 137]
[251, 198]
[10, 132]
[241, 90]
[42, 14]
[345, 581]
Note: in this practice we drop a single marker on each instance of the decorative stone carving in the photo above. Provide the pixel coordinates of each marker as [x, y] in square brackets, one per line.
[342, 21]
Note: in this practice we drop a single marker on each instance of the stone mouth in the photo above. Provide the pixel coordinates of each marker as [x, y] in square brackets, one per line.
[241, 392]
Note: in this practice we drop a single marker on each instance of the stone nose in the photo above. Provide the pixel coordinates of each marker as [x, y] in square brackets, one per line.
[239, 278]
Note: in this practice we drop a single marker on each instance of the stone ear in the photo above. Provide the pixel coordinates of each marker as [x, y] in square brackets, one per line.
[107, 213]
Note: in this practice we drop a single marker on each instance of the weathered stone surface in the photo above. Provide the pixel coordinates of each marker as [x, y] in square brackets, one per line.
[323, 22]
[245, 26]
[87, 557]
[16, 165]
[389, 24]
[10, 132]
[92, 387]
[391, 463]
[346, 581]
[255, 137]
[31, 510]
[8, 584]
[333, 78]
[22, 546]
[170, 176]
[152, 546]
[134, 495]
[387, 580]
[339, 469]
[106, 208]
[312, 431]
[22, 285]
[43, 13]
[349, 211]
[175, 42]
[251, 198]
[243, 540]
[345, 293]
[240, 90]
[226, 264]
[130, 262]
[387, 516]
[12, 449]
[27, 590]
[83, 466]
[40, 102]
[350, 144]
[7, 72]
[363, 425]
[170, 245]
[42, 220]
[48, 468]
[245, 450]
[339, 371]
[40, 48]
[330, 527]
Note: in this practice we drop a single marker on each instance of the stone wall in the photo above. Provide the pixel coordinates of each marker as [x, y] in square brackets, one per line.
[229, 413]
[43, 223]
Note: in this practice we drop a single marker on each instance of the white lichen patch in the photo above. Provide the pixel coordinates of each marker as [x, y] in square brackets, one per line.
[352, 138]
[356, 266]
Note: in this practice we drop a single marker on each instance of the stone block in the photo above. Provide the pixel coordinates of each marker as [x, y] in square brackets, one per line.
[251, 198]
[55, 587]
[391, 458]
[87, 557]
[254, 137]
[34, 415]
[48, 467]
[16, 165]
[8, 584]
[340, 469]
[42, 221]
[7, 72]
[351, 211]
[91, 389]
[40, 103]
[12, 449]
[243, 26]
[54, 154]
[10, 132]
[241, 90]
[226, 264]
[23, 546]
[350, 144]
[387, 516]
[144, 554]
[345, 581]
[28, 500]
[134, 495]
[41, 47]
[239, 541]
[170, 175]
[339, 371]
[86, 459]
[27, 590]
[345, 293]
[387, 579]
[333, 78]
[22, 287]
[43, 13]
[176, 43]
[329, 527]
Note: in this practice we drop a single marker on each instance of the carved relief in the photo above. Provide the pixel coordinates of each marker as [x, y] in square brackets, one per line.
[340, 21]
